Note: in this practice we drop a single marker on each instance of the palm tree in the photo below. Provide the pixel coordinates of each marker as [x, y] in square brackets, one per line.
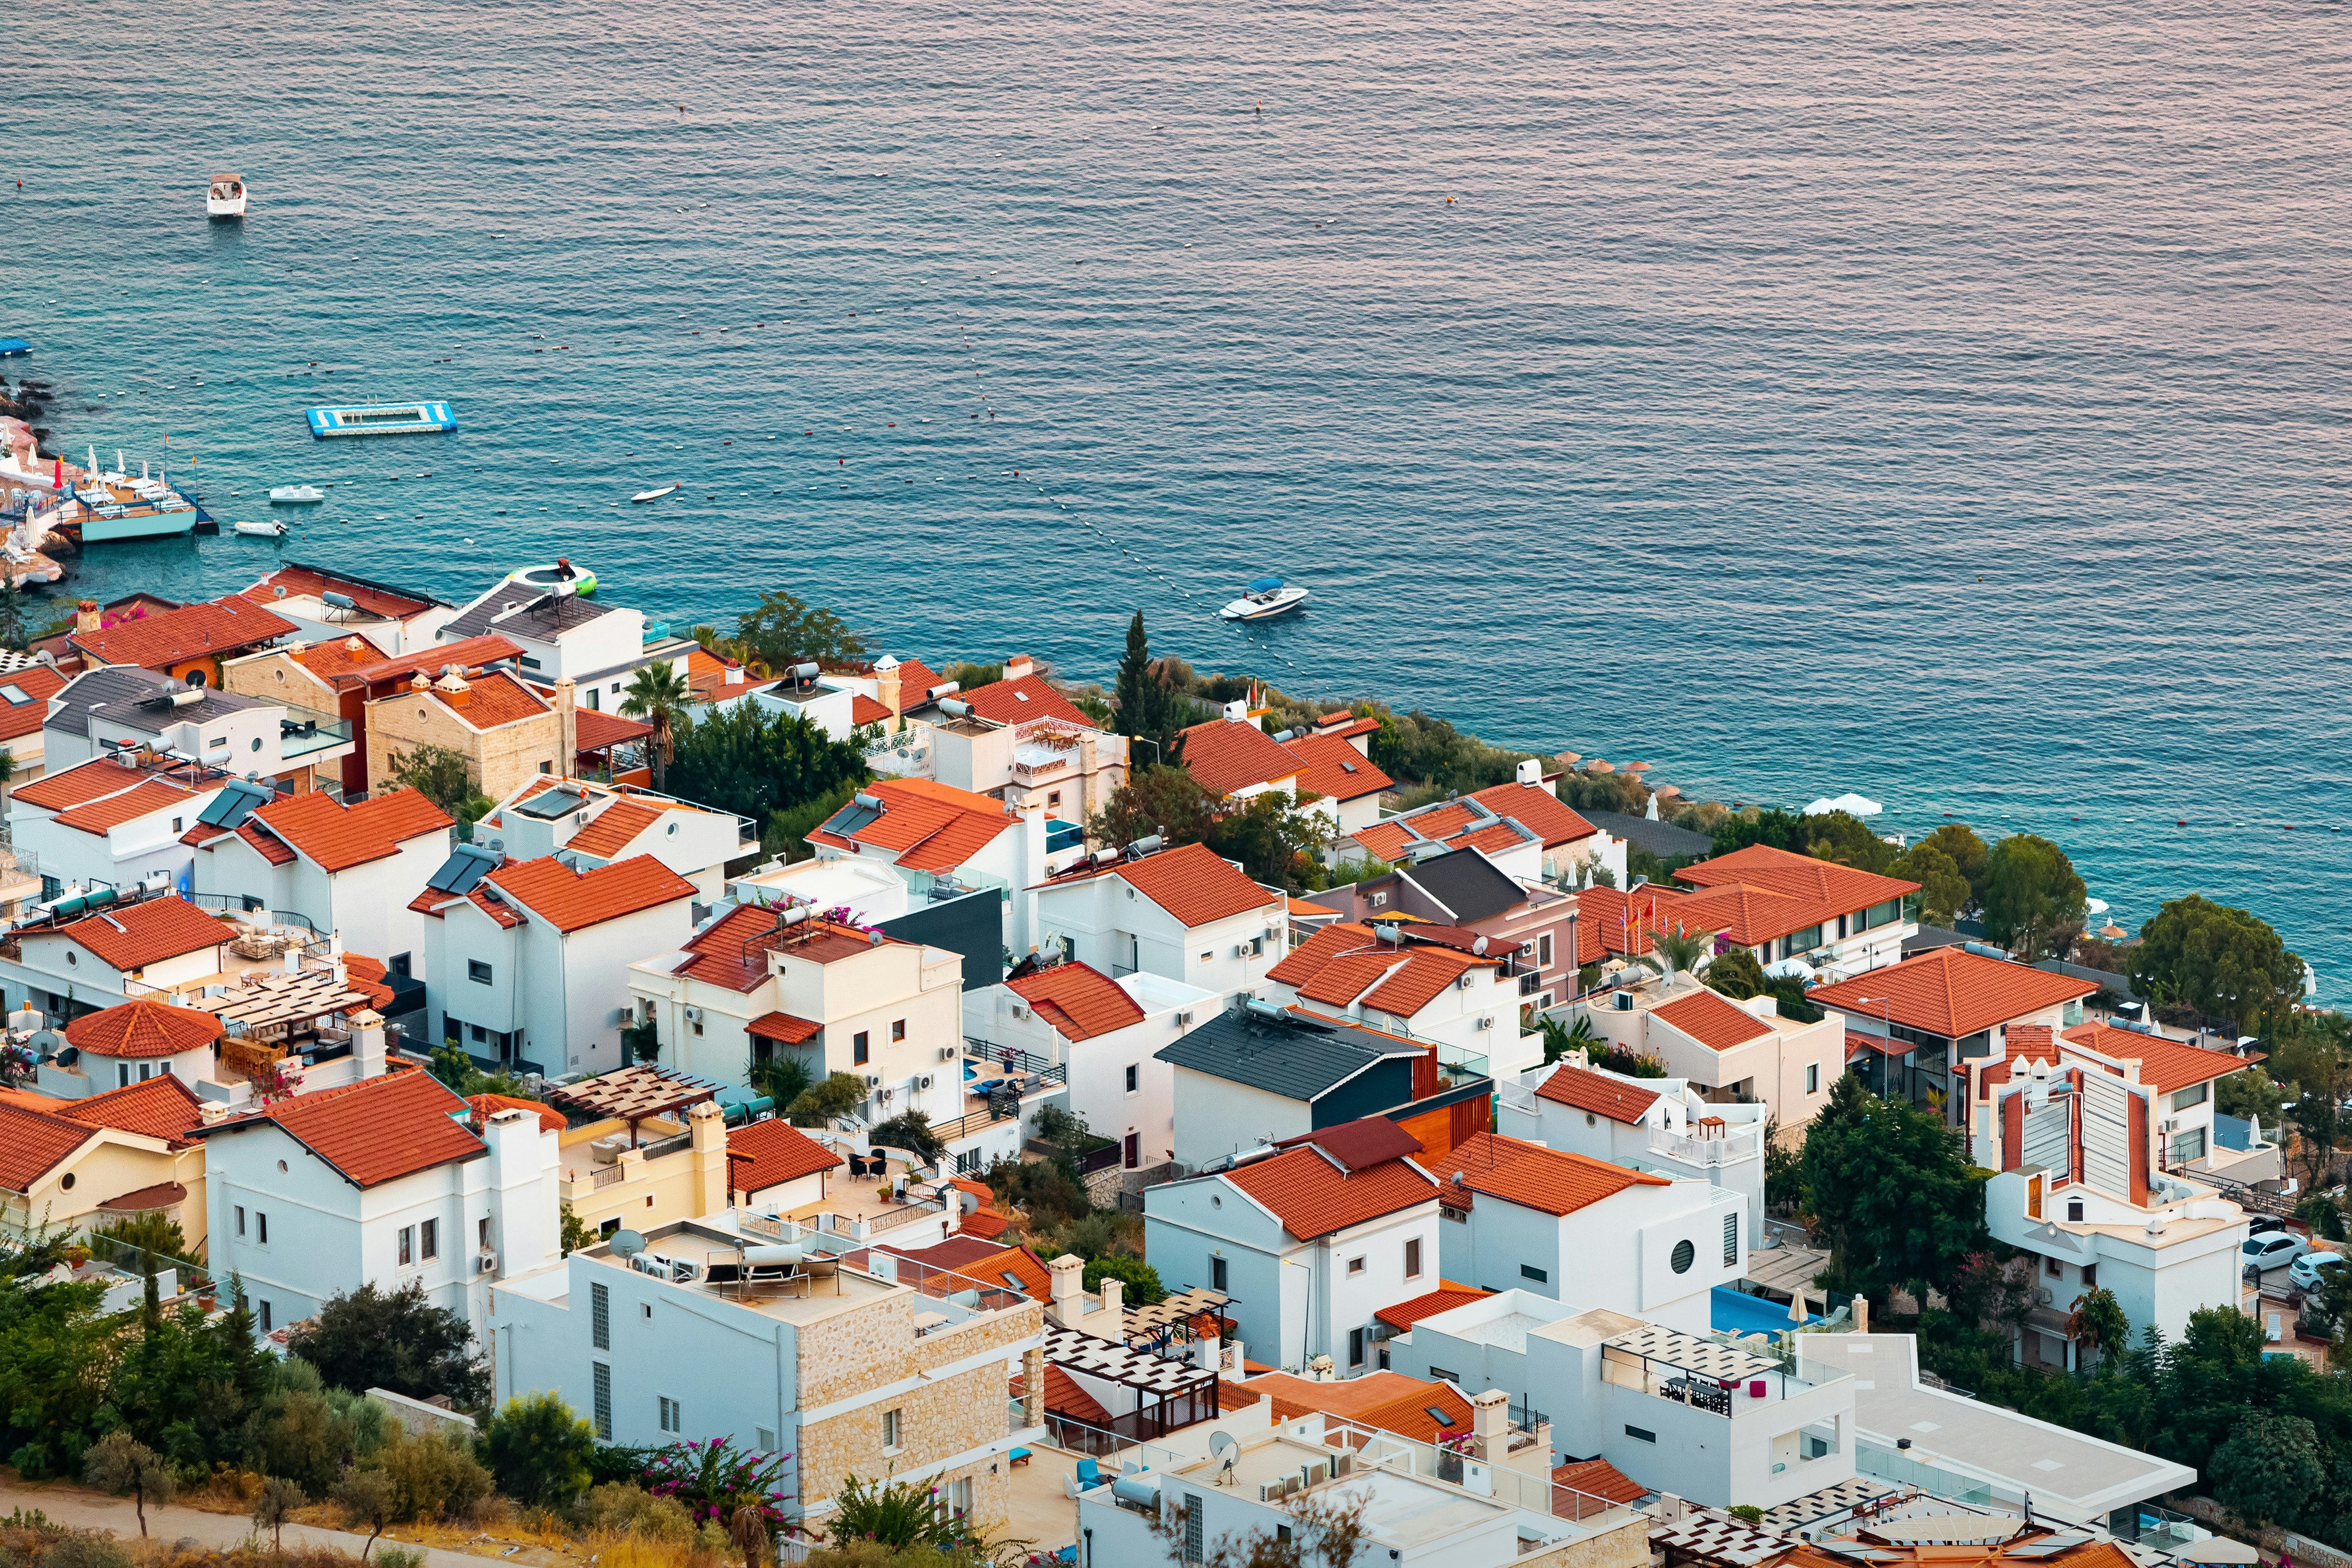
[659, 695]
[1672, 952]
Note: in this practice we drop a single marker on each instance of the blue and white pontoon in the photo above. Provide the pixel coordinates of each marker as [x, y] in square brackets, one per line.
[1264, 600]
[381, 418]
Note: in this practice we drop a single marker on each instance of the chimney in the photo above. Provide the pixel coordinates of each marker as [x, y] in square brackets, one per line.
[1025, 937]
[521, 1162]
[885, 687]
[1114, 1304]
[707, 1123]
[1068, 1292]
[567, 726]
[1209, 1352]
[294, 958]
[734, 673]
[1017, 666]
[367, 1044]
[1530, 770]
[1490, 1424]
[1862, 1314]
[86, 616]
[420, 681]
[1237, 712]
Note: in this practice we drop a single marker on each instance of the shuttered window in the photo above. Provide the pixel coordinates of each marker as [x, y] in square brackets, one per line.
[604, 1401]
[1731, 1239]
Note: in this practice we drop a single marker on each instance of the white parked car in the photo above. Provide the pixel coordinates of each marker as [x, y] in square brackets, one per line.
[2272, 1250]
[2305, 1272]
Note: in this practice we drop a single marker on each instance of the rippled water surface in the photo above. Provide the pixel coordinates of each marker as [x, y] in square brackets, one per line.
[1946, 401]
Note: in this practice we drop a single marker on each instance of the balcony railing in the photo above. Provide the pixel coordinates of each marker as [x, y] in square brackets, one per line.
[1732, 1148]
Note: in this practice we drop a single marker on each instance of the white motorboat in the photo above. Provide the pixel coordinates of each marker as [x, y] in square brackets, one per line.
[1264, 600]
[642, 497]
[268, 528]
[226, 198]
[295, 495]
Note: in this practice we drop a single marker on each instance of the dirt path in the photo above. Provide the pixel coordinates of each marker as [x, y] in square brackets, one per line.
[87, 1509]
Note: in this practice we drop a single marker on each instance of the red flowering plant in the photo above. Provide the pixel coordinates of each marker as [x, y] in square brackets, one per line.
[714, 1480]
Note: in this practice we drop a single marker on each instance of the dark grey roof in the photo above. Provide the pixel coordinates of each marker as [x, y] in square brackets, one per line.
[1289, 1056]
[123, 691]
[1663, 840]
[1467, 883]
[539, 615]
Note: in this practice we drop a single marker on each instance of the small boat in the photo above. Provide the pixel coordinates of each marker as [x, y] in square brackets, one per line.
[294, 496]
[643, 496]
[1264, 600]
[225, 199]
[9, 346]
[380, 419]
[562, 577]
[269, 528]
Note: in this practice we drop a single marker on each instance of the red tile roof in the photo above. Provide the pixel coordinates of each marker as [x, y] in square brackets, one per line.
[1552, 1180]
[301, 581]
[1064, 1398]
[1387, 1401]
[2031, 1039]
[1597, 1093]
[1828, 888]
[142, 1029]
[367, 977]
[153, 796]
[497, 909]
[613, 828]
[1708, 1018]
[1334, 767]
[865, 710]
[769, 1154]
[131, 936]
[162, 1107]
[1021, 699]
[1192, 882]
[366, 664]
[933, 827]
[79, 785]
[1448, 1295]
[40, 684]
[1226, 755]
[270, 846]
[157, 641]
[594, 729]
[783, 1027]
[486, 1106]
[338, 837]
[32, 1143]
[573, 901]
[1078, 1000]
[155, 1195]
[1313, 1198]
[494, 699]
[1599, 1478]
[1951, 991]
[1539, 811]
[374, 1131]
[2167, 1064]
[733, 952]
[1345, 960]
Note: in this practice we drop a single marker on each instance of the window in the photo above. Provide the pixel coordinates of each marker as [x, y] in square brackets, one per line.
[480, 1034]
[1355, 1266]
[1053, 798]
[1206, 957]
[2075, 1209]
[889, 1431]
[670, 1417]
[1442, 1375]
[1529, 1271]
[240, 1219]
[766, 1436]
[407, 1245]
[428, 1239]
[1217, 1275]
[261, 1227]
[1193, 1526]
[544, 766]
[1413, 1258]
[600, 1317]
[1133, 1074]
[898, 1031]
[1812, 1078]
[399, 965]
[1543, 951]
[479, 973]
[122, 1075]
[482, 1231]
[1356, 1347]
[604, 1376]
[175, 822]
[1130, 1154]
[858, 1049]
[696, 1025]
[646, 1311]
[2057, 1270]
[2188, 1145]
[2192, 1095]
[265, 1317]
[1684, 1256]
[1640, 1435]
[1731, 1239]
[2090, 1276]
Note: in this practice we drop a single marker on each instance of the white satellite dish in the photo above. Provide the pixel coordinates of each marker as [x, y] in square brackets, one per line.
[1225, 1449]
[626, 1244]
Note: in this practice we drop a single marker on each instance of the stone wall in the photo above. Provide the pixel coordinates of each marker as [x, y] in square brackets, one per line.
[843, 1356]
[498, 761]
[1627, 1546]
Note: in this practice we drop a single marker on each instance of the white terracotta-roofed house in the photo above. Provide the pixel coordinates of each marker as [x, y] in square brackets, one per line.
[1665, 1125]
[607, 822]
[529, 965]
[944, 842]
[1184, 913]
[77, 959]
[105, 823]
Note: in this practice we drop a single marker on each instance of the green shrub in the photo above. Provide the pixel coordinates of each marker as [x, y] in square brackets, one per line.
[433, 1477]
[86, 1549]
[621, 1507]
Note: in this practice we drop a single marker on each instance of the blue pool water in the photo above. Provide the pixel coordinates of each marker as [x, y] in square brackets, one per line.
[1946, 401]
[1730, 1311]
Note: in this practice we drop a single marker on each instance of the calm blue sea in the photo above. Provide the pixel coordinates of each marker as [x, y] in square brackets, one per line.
[1942, 400]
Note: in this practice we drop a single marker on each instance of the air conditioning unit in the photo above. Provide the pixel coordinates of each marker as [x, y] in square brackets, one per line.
[1488, 1021]
[922, 1083]
[873, 1080]
[1241, 949]
[1183, 1020]
[486, 1262]
[947, 1053]
[693, 1015]
[1464, 978]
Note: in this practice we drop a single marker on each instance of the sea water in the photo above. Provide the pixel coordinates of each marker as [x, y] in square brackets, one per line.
[1946, 401]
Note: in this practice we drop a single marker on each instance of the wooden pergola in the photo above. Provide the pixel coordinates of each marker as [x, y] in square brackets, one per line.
[634, 1092]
